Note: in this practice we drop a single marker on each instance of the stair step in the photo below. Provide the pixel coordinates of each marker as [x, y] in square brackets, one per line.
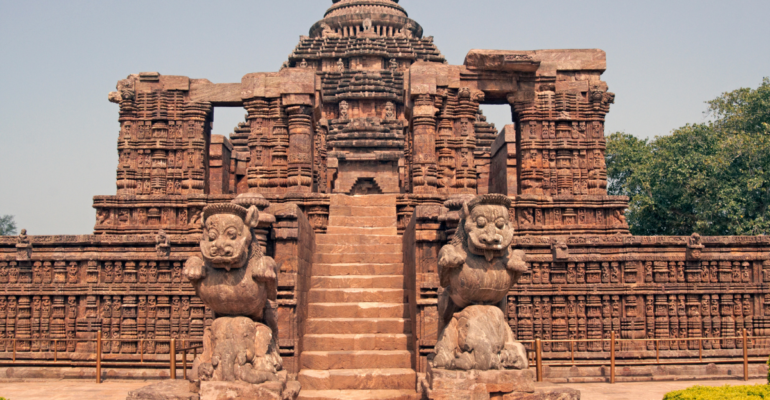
[362, 222]
[347, 230]
[358, 282]
[346, 326]
[358, 395]
[365, 211]
[357, 239]
[357, 310]
[344, 342]
[339, 269]
[356, 296]
[346, 379]
[358, 248]
[375, 258]
[363, 201]
[356, 359]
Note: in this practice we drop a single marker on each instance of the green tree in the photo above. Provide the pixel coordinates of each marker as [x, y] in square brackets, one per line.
[7, 225]
[711, 178]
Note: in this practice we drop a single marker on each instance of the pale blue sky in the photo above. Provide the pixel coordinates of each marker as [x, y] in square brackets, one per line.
[60, 58]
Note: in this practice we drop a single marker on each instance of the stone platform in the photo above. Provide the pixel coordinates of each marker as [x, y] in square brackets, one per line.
[441, 384]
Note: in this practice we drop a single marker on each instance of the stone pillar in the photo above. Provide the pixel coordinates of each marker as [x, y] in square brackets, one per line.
[258, 113]
[300, 155]
[424, 174]
[220, 152]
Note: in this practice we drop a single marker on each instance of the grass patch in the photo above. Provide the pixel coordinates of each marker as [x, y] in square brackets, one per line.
[727, 392]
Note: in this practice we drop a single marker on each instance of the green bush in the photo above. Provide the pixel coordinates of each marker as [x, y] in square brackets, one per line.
[727, 392]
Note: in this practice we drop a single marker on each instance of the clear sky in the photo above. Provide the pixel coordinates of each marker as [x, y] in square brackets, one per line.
[59, 59]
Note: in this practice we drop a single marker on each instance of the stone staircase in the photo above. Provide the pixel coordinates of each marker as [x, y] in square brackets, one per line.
[357, 335]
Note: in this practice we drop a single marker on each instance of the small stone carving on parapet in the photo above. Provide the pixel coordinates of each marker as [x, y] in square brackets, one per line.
[23, 247]
[694, 247]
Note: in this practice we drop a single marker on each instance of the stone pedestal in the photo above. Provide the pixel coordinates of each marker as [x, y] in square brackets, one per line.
[477, 385]
[281, 389]
[166, 390]
[276, 390]
[510, 384]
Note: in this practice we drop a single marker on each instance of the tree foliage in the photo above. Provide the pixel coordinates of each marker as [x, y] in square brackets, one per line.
[711, 178]
[7, 225]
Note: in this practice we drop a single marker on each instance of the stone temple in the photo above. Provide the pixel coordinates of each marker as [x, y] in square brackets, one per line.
[359, 161]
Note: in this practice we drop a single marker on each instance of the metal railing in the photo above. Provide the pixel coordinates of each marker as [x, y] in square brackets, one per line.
[536, 353]
[99, 359]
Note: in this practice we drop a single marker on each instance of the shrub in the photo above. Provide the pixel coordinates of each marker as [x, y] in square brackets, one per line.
[727, 392]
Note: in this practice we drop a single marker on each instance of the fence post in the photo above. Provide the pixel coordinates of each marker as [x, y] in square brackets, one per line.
[172, 353]
[657, 351]
[539, 359]
[612, 358]
[14, 350]
[99, 356]
[184, 360]
[55, 351]
[745, 357]
[700, 349]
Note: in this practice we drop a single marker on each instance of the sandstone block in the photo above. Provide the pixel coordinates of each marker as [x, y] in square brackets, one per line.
[342, 342]
[342, 379]
[336, 269]
[325, 360]
[357, 310]
[358, 281]
[166, 390]
[357, 325]
[355, 295]
[241, 391]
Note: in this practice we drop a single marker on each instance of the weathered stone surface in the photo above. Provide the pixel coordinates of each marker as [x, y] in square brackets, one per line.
[479, 338]
[166, 390]
[555, 394]
[241, 391]
[445, 384]
[238, 349]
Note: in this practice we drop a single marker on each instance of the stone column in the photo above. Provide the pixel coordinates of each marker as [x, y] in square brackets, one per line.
[300, 155]
[424, 176]
[258, 113]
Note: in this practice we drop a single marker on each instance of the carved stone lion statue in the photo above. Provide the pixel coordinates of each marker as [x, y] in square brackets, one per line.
[477, 269]
[235, 279]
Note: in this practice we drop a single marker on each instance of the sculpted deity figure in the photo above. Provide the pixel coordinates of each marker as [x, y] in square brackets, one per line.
[327, 31]
[344, 110]
[340, 65]
[390, 111]
[23, 239]
[477, 269]
[235, 279]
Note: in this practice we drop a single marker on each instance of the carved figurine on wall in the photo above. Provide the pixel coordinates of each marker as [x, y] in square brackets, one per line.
[477, 269]
[236, 280]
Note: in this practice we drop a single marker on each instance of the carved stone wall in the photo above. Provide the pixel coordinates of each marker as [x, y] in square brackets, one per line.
[66, 288]
[639, 287]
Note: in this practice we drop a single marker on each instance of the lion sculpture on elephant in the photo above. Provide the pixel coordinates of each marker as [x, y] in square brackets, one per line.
[477, 269]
